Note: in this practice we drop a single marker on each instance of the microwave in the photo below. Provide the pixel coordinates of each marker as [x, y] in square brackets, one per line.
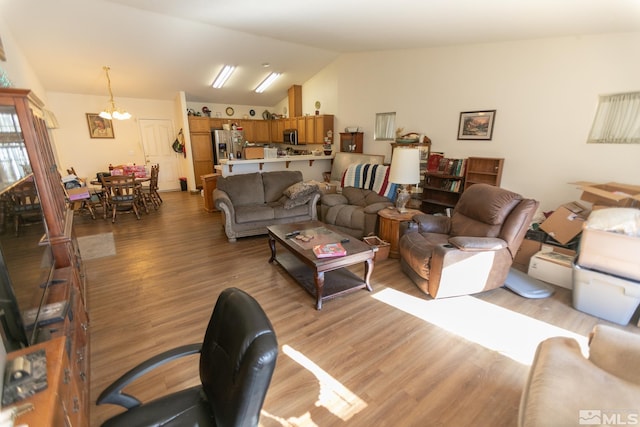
[290, 136]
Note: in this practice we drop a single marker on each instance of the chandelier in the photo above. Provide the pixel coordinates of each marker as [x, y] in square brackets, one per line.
[111, 112]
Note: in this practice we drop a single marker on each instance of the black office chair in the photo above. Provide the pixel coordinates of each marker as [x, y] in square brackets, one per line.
[237, 360]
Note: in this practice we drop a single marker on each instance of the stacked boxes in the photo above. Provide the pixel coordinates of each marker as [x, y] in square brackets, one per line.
[606, 277]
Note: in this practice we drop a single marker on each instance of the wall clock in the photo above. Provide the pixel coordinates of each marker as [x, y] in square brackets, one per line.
[229, 111]
[252, 113]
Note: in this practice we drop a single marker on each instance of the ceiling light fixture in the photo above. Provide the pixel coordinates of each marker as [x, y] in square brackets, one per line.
[267, 82]
[223, 75]
[111, 112]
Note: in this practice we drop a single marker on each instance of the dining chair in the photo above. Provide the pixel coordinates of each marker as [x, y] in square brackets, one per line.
[150, 191]
[96, 199]
[121, 191]
[25, 204]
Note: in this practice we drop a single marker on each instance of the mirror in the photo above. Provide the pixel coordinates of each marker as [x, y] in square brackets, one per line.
[385, 127]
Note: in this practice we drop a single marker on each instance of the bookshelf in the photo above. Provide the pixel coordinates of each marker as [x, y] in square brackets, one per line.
[446, 179]
[443, 184]
[485, 170]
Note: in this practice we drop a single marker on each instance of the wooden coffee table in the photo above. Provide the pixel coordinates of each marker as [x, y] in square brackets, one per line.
[324, 278]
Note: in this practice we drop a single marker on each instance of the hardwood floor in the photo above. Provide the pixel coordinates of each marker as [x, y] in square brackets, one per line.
[388, 358]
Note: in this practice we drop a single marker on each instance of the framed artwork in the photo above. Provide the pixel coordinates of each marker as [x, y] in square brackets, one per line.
[476, 125]
[99, 127]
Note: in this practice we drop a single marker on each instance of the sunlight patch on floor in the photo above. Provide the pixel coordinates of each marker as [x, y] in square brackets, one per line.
[509, 333]
[333, 396]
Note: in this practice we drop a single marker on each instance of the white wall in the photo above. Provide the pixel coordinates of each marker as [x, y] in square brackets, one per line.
[89, 156]
[545, 93]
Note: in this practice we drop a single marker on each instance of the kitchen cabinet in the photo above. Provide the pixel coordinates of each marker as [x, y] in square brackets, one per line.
[295, 101]
[302, 130]
[201, 147]
[199, 124]
[262, 131]
[248, 127]
[216, 123]
[309, 129]
[322, 125]
[277, 130]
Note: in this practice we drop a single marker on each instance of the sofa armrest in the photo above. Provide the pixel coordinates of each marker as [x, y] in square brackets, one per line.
[466, 243]
[616, 351]
[221, 200]
[375, 207]
[428, 223]
[333, 199]
[313, 205]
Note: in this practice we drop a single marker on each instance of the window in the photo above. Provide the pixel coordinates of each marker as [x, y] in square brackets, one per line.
[617, 119]
[385, 127]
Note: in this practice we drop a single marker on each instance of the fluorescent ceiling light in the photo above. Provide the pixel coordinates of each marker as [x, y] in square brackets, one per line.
[224, 74]
[267, 82]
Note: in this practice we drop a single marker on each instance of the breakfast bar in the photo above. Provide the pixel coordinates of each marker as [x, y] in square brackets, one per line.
[311, 166]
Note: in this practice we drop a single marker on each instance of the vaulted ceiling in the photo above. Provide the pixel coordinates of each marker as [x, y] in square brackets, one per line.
[158, 47]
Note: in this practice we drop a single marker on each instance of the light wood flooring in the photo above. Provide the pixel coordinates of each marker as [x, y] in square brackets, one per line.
[388, 358]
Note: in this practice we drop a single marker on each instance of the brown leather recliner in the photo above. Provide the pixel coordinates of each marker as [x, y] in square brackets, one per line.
[473, 250]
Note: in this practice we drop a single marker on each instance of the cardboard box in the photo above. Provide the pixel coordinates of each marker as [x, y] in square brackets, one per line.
[566, 222]
[250, 153]
[609, 252]
[610, 194]
[527, 249]
[552, 265]
[78, 193]
[605, 296]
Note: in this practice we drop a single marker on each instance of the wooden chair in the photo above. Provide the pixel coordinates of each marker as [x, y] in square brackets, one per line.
[150, 192]
[25, 204]
[121, 191]
[96, 196]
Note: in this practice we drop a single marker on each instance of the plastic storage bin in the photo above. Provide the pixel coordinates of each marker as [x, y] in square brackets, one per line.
[603, 295]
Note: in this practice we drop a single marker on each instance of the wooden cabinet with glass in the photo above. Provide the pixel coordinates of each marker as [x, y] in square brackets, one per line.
[351, 142]
[25, 135]
[486, 170]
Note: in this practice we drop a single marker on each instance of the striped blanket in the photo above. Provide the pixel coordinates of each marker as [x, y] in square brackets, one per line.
[370, 176]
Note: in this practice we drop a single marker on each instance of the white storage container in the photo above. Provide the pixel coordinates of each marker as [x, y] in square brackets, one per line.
[603, 295]
[270, 153]
[551, 267]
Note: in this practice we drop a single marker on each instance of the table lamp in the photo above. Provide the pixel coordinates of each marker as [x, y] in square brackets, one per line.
[405, 170]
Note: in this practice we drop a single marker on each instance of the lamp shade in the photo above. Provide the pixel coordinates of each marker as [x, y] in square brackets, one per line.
[405, 166]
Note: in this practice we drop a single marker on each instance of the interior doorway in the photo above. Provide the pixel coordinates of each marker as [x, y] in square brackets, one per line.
[157, 137]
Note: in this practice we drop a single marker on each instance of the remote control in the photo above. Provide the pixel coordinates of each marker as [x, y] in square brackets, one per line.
[344, 241]
[292, 234]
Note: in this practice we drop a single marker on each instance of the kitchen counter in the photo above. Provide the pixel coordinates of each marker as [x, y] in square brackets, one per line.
[311, 166]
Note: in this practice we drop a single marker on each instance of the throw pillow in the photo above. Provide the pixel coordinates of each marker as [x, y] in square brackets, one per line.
[300, 189]
[289, 203]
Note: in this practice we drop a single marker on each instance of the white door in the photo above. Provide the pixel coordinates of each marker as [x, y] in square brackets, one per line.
[157, 137]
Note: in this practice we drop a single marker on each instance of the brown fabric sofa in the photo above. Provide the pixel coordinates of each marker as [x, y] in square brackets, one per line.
[566, 389]
[473, 250]
[251, 202]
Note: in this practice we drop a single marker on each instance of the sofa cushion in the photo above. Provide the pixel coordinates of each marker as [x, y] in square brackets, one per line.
[300, 189]
[276, 182]
[253, 213]
[245, 189]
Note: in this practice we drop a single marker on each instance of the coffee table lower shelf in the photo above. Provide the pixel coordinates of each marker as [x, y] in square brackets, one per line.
[336, 282]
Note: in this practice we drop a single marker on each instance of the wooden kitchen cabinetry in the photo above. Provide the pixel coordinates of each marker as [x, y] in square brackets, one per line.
[486, 170]
[322, 125]
[68, 392]
[351, 142]
[201, 147]
[302, 129]
[295, 101]
[262, 131]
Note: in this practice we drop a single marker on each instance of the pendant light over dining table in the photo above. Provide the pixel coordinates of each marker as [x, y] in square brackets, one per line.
[111, 112]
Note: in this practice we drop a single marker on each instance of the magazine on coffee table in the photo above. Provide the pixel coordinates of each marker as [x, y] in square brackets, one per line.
[329, 250]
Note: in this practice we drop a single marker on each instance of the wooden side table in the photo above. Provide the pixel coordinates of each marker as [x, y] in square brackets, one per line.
[389, 229]
[209, 183]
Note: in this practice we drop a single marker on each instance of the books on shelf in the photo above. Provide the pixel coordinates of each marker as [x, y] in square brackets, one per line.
[329, 250]
[434, 161]
[447, 166]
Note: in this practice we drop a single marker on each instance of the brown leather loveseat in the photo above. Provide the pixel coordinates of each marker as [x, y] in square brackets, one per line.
[473, 250]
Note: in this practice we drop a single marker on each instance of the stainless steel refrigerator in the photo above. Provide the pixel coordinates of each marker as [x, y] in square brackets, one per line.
[226, 142]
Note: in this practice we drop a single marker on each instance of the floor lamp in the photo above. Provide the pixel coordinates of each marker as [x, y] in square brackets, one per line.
[405, 170]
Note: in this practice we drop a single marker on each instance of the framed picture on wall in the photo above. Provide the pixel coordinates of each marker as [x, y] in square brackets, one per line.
[477, 125]
[99, 127]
